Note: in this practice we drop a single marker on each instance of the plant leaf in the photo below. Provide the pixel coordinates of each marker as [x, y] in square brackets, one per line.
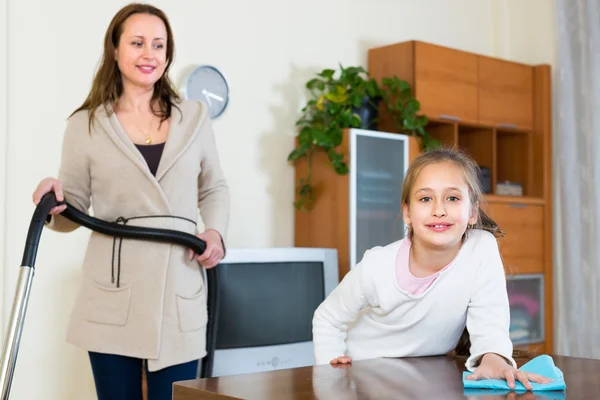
[341, 168]
[333, 108]
[313, 83]
[402, 86]
[337, 162]
[327, 73]
[337, 97]
[303, 122]
[297, 153]
[320, 138]
[432, 144]
[412, 106]
[337, 136]
[305, 137]
[305, 189]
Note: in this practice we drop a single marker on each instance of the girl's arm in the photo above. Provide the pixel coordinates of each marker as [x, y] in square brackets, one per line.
[331, 319]
[488, 314]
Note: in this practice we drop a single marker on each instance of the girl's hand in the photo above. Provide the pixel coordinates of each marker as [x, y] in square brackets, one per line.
[341, 360]
[50, 185]
[214, 251]
[494, 366]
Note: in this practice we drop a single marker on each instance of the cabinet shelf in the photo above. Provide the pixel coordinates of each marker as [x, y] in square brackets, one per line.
[494, 198]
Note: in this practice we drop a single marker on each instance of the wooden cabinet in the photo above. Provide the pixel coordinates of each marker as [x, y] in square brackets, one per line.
[457, 85]
[442, 77]
[505, 93]
[444, 80]
[522, 248]
[499, 112]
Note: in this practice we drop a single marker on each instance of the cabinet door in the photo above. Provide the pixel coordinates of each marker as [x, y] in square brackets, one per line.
[522, 248]
[527, 308]
[378, 163]
[505, 93]
[446, 82]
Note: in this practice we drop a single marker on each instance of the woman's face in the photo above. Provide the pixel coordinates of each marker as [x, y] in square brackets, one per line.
[142, 51]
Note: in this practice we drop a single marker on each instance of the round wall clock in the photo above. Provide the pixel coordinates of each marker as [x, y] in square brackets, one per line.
[207, 84]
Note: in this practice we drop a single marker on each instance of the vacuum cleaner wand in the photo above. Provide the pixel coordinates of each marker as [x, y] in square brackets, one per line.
[21, 297]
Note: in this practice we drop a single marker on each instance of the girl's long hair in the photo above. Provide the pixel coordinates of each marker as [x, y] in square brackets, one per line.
[107, 85]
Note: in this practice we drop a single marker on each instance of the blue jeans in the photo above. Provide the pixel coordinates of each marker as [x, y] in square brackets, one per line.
[120, 378]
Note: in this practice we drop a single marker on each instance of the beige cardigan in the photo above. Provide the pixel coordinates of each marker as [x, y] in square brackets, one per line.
[158, 310]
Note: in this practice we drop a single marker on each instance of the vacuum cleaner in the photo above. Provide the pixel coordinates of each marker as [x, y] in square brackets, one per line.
[21, 297]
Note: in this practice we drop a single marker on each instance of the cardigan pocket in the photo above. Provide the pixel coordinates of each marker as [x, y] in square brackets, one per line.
[108, 305]
[192, 312]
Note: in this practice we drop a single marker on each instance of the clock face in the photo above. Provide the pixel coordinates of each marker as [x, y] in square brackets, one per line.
[208, 85]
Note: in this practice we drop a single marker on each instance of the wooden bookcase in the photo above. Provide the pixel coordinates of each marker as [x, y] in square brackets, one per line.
[498, 111]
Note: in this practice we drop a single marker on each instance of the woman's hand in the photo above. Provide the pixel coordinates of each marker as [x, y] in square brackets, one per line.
[341, 360]
[494, 366]
[214, 249]
[48, 185]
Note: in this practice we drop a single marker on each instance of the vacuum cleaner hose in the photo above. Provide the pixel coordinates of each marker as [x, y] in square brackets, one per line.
[38, 221]
[48, 201]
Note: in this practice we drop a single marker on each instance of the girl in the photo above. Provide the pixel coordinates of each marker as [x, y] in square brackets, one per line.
[139, 155]
[416, 296]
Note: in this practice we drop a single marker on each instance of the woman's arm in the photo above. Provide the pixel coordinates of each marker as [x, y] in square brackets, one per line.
[74, 172]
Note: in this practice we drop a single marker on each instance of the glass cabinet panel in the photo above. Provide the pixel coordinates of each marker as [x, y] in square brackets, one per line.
[526, 300]
[378, 163]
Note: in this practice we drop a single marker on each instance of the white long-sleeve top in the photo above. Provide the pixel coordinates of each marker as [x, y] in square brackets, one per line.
[369, 316]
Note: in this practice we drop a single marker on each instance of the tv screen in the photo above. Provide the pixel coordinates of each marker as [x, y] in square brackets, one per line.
[267, 303]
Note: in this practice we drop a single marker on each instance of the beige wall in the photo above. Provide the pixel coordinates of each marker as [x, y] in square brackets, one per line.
[3, 135]
[275, 47]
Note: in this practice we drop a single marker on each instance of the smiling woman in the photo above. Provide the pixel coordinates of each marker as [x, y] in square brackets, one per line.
[139, 155]
[138, 52]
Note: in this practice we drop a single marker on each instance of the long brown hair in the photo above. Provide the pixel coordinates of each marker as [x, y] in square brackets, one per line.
[471, 175]
[107, 85]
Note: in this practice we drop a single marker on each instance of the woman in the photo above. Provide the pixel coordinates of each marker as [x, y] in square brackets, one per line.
[139, 155]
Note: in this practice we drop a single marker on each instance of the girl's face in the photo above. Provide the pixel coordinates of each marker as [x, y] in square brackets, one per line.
[142, 51]
[440, 206]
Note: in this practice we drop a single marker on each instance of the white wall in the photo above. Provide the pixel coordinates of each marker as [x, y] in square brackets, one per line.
[3, 135]
[268, 49]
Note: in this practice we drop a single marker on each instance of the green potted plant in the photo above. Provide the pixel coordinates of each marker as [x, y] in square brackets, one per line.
[404, 109]
[331, 108]
[336, 102]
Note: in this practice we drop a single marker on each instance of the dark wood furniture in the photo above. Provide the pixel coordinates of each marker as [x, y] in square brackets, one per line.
[407, 378]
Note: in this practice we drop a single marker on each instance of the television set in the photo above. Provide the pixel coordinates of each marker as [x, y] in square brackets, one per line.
[261, 306]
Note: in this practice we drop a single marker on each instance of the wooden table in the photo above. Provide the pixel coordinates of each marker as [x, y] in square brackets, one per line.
[408, 378]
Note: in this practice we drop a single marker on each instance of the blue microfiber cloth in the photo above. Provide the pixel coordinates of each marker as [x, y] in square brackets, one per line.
[541, 365]
[486, 393]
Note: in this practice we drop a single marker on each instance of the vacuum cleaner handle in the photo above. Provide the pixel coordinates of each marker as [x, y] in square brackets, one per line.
[38, 221]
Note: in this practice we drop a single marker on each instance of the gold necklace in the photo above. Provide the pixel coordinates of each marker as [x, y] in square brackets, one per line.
[148, 138]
